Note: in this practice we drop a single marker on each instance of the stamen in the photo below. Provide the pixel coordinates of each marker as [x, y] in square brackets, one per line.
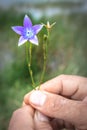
[28, 33]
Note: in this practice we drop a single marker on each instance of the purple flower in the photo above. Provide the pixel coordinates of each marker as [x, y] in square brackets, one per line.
[28, 31]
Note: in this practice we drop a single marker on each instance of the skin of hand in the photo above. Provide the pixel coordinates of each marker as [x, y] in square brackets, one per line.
[26, 118]
[63, 99]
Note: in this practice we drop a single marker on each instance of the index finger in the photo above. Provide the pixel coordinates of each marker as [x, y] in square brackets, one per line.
[74, 87]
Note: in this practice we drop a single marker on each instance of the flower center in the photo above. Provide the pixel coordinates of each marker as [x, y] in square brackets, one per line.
[28, 33]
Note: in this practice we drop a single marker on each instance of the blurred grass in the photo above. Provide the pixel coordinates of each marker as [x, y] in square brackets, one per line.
[67, 53]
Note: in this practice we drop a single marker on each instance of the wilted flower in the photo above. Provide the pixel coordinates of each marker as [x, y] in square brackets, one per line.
[27, 32]
[48, 25]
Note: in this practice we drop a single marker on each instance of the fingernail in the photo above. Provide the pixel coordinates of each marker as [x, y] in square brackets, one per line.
[38, 98]
[41, 117]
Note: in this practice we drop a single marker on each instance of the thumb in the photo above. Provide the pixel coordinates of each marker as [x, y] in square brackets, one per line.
[56, 106]
[41, 121]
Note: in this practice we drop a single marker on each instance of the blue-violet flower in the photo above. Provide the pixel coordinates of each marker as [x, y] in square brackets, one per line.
[27, 32]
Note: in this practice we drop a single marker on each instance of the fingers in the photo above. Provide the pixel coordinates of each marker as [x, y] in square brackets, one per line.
[85, 99]
[54, 99]
[56, 106]
[74, 87]
[41, 121]
[22, 119]
[61, 124]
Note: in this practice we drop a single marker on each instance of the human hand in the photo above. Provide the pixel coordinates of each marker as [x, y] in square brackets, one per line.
[63, 98]
[26, 118]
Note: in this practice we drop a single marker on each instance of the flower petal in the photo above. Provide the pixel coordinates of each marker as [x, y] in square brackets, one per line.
[27, 22]
[37, 28]
[18, 29]
[21, 41]
[34, 40]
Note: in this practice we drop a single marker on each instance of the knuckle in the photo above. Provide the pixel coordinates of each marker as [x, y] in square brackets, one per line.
[56, 106]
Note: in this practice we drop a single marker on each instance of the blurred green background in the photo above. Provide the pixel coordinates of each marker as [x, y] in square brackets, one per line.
[67, 50]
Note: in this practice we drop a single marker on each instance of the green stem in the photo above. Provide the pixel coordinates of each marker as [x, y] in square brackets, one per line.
[48, 32]
[27, 52]
[29, 59]
[45, 59]
[46, 41]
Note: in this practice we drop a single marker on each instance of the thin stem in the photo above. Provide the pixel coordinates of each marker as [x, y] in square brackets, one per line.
[27, 52]
[48, 32]
[45, 59]
[46, 41]
[29, 59]
[29, 65]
